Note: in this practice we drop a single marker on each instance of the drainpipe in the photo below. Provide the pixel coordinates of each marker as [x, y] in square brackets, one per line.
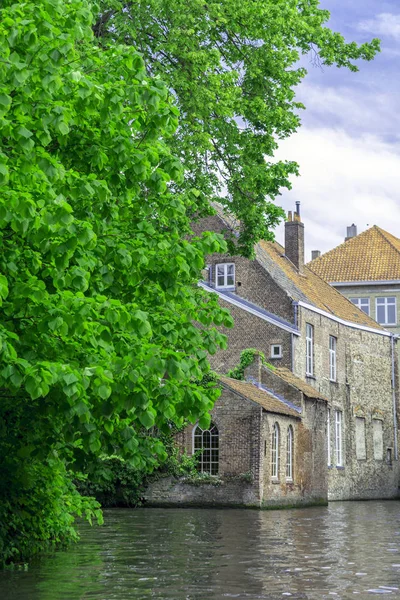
[295, 308]
[292, 352]
[392, 338]
[295, 311]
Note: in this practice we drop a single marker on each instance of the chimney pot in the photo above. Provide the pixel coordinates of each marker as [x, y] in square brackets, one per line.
[351, 232]
[315, 254]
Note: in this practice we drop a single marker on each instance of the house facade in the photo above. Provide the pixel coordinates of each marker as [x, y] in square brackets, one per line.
[265, 446]
[366, 269]
[306, 328]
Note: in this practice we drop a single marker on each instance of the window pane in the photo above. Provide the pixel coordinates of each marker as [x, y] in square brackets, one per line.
[207, 441]
[391, 313]
[380, 300]
[380, 314]
[230, 279]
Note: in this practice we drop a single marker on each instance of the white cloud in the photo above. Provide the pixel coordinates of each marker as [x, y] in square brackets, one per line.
[384, 24]
[344, 180]
[357, 109]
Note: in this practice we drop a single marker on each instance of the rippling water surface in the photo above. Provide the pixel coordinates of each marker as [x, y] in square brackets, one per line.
[342, 551]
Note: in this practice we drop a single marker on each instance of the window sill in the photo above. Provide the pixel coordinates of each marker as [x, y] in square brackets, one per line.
[340, 467]
[289, 480]
[276, 357]
[334, 381]
[275, 480]
[228, 288]
[308, 376]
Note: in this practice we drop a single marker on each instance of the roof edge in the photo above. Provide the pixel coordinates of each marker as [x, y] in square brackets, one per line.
[343, 321]
[248, 309]
[365, 282]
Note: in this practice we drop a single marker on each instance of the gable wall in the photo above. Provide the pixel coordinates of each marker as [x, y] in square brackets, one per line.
[254, 284]
[250, 332]
[309, 485]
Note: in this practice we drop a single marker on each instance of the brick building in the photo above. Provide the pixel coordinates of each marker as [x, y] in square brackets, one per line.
[266, 444]
[308, 329]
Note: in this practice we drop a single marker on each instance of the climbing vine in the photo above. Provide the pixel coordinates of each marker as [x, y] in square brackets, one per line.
[246, 359]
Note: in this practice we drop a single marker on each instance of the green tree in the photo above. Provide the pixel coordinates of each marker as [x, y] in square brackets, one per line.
[98, 270]
[233, 66]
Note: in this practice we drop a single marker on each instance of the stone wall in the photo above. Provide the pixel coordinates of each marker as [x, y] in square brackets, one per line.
[169, 491]
[309, 482]
[363, 389]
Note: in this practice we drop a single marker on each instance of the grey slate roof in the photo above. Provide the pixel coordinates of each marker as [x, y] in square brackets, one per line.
[245, 304]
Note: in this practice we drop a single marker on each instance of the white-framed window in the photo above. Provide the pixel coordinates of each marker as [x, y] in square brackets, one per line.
[362, 303]
[328, 435]
[225, 275]
[377, 429]
[361, 449]
[309, 349]
[338, 438]
[276, 351]
[332, 357]
[275, 452]
[207, 440]
[289, 454]
[386, 310]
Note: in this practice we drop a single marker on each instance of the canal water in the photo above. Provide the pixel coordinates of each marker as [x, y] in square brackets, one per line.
[345, 550]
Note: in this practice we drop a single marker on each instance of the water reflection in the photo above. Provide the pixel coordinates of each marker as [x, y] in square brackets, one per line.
[341, 551]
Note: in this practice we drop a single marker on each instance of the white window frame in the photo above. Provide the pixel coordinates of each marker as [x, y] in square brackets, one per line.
[332, 358]
[385, 304]
[328, 436]
[225, 285]
[275, 452]
[309, 350]
[279, 355]
[339, 438]
[360, 302]
[210, 463]
[289, 454]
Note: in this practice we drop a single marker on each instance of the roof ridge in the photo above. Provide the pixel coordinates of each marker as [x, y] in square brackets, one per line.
[346, 242]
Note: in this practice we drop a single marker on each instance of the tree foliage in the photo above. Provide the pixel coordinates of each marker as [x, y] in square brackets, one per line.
[97, 268]
[233, 67]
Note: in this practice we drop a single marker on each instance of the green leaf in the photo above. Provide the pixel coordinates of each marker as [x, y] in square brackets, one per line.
[104, 391]
[147, 419]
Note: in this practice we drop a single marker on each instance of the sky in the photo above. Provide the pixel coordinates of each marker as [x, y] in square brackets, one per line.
[348, 147]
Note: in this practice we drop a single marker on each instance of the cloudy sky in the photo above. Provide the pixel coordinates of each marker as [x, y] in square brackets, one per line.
[348, 147]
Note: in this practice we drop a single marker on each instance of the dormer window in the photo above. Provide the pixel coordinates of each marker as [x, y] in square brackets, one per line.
[225, 275]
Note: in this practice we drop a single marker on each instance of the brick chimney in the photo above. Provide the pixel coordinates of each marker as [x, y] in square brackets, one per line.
[294, 239]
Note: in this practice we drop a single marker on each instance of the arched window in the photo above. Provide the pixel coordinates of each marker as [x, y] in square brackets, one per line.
[275, 452]
[289, 454]
[207, 440]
